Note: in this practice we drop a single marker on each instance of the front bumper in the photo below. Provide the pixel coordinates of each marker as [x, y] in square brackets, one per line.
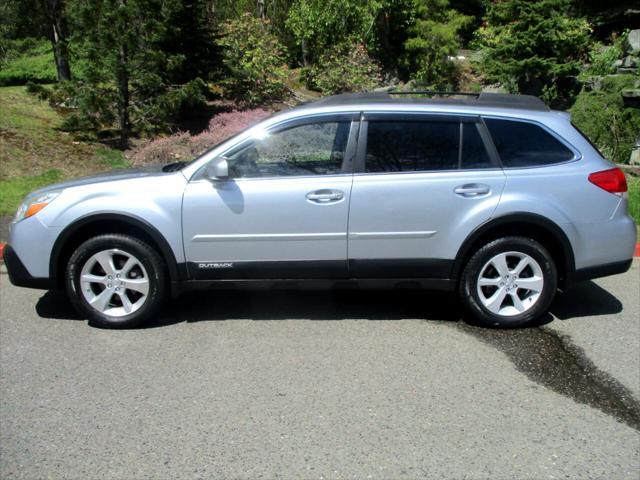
[19, 275]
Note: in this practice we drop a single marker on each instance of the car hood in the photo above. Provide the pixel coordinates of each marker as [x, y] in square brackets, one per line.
[112, 176]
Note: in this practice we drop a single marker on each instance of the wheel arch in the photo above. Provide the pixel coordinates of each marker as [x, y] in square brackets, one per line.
[87, 227]
[540, 228]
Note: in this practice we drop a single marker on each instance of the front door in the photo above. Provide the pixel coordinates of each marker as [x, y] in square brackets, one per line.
[283, 211]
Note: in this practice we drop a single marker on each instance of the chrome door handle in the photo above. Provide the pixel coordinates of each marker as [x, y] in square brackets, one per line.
[471, 190]
[325, 196]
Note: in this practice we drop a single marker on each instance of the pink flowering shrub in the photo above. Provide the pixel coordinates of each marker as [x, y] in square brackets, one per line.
[183, 146]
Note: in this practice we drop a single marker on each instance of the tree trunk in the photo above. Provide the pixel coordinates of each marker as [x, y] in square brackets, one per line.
[60, 53]
[305, 56]
[54, 10]
[383, 19]
[122, 80]
[260, 7]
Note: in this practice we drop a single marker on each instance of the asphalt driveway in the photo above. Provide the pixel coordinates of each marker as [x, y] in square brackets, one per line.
[322, 385]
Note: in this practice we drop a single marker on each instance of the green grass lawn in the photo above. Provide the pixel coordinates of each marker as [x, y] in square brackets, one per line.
[34, 152]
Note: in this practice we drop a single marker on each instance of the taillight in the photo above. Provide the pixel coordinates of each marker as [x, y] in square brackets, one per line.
[613, 181]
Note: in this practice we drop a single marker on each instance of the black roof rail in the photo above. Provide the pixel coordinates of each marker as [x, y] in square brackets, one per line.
[439, 93]
[484, 99]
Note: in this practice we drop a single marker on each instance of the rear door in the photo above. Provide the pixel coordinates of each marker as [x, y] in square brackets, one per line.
[422, 184]
[283, 211]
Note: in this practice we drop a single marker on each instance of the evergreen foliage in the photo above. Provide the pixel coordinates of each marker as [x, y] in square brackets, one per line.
[144, 66]
[602, 116]
[532, 46]
[318, 25]
[139, 62]
[433, 40]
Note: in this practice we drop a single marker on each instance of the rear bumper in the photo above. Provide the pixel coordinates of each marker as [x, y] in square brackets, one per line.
[19, 275]
[598, 271]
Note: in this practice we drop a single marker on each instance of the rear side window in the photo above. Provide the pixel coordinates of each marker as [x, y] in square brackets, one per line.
[522, 144]
[412, 146]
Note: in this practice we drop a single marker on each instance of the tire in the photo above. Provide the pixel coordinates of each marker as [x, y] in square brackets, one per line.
[495, 293]
[116, 281]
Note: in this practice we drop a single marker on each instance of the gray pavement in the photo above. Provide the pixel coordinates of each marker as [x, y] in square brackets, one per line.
[322, 385]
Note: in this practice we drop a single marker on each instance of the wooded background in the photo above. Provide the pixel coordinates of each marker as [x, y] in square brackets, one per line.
[142, 68]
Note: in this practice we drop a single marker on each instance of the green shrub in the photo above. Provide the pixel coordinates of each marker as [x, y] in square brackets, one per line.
[344, 68]
[38, 90]
[531, 46]
[602, 116]
[17, 47]
[602, 57]
[254, 61]
[88, 107]
[162, 112]
[30, 61]
[433, 40]
[318, 25]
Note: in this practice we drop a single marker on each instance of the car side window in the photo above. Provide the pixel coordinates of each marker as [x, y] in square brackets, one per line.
[412, 146]
[474, 152]
[523, 144]
[308, 149]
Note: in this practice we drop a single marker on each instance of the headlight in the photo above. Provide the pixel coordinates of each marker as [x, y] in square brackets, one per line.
[34, 203]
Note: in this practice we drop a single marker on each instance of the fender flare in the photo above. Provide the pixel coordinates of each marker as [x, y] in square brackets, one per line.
[511, 218]
[176, 274]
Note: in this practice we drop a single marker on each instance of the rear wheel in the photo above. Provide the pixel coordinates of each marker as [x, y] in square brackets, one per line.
[510, 282]
[116, 281]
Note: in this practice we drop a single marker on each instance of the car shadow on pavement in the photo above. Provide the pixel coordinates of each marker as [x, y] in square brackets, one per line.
[55, 304]
[586, 299]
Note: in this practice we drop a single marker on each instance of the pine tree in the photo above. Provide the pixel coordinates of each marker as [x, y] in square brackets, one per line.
[133, 53]
[531, 46]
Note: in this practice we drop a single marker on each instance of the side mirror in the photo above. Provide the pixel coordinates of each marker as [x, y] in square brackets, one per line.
[217, 169]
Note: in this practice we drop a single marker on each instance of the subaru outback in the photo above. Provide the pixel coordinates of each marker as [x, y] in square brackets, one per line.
[495, 197]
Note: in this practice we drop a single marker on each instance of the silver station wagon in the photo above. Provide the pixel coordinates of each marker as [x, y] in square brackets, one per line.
[493, 196]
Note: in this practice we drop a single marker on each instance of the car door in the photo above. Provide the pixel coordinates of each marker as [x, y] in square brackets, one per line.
[282, 213]
[422, 184]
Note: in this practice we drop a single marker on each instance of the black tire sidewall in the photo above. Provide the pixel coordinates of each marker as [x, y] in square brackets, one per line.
[144, 253]
[468, 284]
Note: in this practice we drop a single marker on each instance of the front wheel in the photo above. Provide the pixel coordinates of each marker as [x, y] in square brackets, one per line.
[116, 281]
[509, 282]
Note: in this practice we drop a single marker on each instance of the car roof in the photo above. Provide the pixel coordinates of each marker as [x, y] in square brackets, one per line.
[440, 99]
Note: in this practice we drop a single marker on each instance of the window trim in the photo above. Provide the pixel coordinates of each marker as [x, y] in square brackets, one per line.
[461, 119]
[347, 161]
[577, 155]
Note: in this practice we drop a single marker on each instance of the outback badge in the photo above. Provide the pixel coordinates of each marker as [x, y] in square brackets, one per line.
[208, 265]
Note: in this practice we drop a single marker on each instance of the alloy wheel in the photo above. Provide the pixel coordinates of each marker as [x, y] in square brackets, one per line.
[114, 282]
[510, 283]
